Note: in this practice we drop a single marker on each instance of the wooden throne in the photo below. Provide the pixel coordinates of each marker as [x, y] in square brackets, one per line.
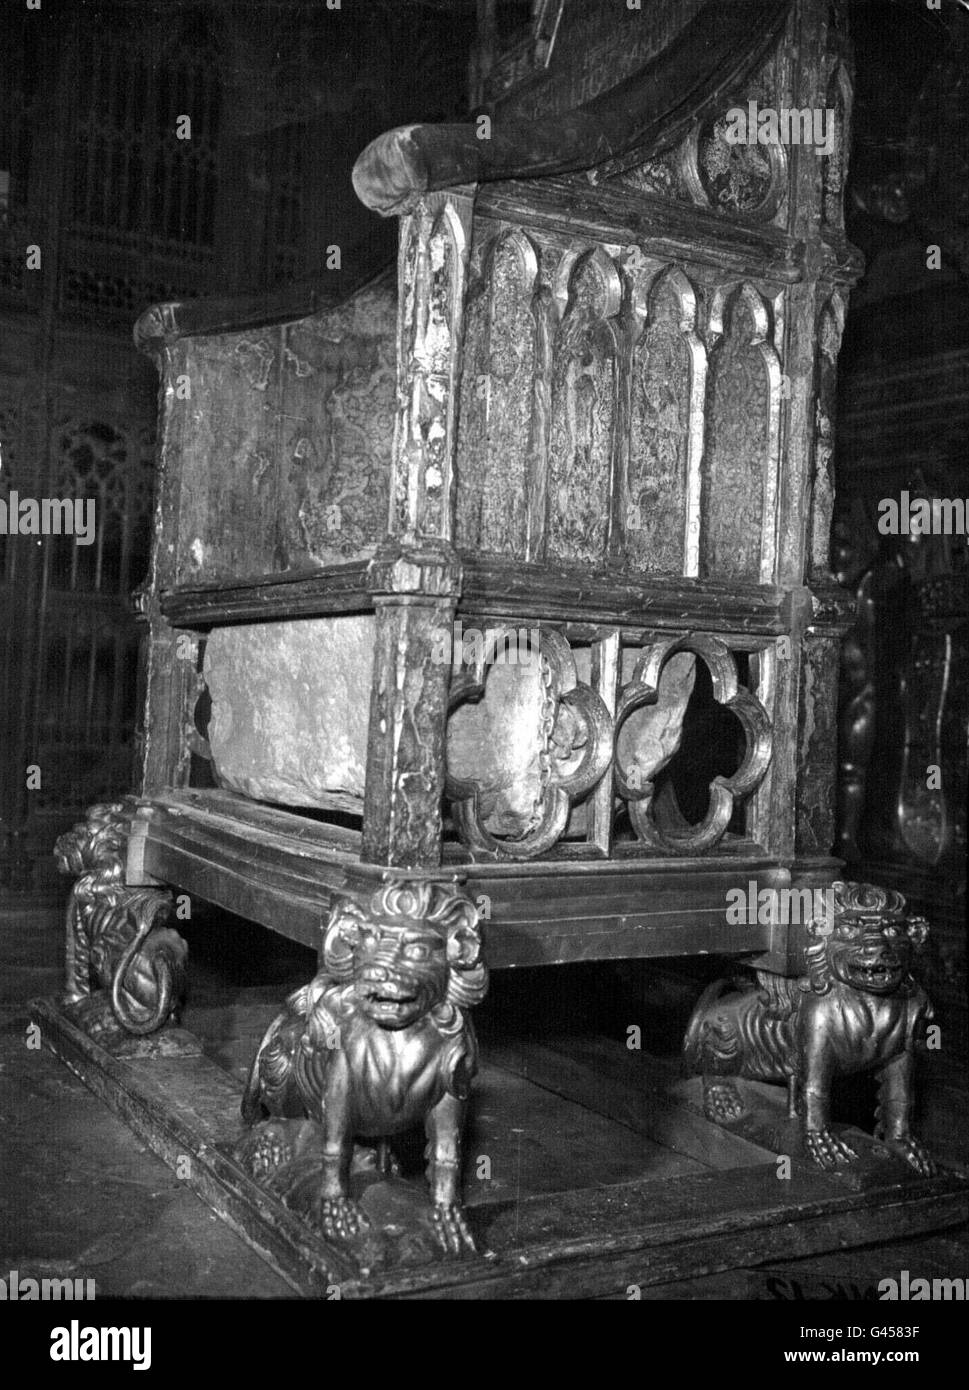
[507, 577]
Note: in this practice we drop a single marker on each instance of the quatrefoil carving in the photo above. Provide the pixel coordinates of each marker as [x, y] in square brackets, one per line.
[569, 745]
[637, 784]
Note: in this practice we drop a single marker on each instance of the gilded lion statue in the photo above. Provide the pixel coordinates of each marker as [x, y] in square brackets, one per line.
[856, 1009]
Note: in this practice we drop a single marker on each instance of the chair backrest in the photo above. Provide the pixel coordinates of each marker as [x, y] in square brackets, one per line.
[622, 291]
[605, 408]
[626, 327]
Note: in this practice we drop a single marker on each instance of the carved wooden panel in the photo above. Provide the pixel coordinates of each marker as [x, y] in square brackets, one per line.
[583, 408]
[496, 417]
[295, 424]
[228, 509]
[741, 440]
[737, 179]
[661, 685]
[741, 179]
[335, 431]
[536, 740]
[432, 274]
[437, 354]
[660, 506]
[745, 182]
[405, 742]
[835, 165]
[830, 326]
[537, 721]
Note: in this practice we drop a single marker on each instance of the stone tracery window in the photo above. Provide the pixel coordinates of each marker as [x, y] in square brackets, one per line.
[144, 188]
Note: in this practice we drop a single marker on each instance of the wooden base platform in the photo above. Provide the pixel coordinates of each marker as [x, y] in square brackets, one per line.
[589, 1169]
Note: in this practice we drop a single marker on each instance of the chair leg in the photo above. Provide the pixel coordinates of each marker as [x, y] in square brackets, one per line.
[125, 965]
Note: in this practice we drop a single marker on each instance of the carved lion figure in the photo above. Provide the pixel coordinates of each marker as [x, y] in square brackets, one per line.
[856, 1009]
[125, 971]
[377, 1042]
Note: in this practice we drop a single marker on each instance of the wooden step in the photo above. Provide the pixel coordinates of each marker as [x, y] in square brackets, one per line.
[657, 1195]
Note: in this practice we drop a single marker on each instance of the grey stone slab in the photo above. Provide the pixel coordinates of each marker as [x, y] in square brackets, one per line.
[290, 708]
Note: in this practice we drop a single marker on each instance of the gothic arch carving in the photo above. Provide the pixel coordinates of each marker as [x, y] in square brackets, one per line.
[668, 374]
[495, 438]
[515, 770]
[740, 460]
[636, 775]
[587, 292]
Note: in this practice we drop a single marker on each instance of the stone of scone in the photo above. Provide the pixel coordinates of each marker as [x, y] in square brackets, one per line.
[290, 714]
[651, 734]
[496, 743]
[290, 708]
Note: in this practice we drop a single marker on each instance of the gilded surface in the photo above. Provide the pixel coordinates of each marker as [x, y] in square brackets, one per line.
[380, 1040]
[582, 418]
[295, 424]
[125, 964]
[575, 418]
[336, 431]
[659, 444]
[830, 326]
[495, 431]
[735, 177]
[857, 1008]
[736, 456]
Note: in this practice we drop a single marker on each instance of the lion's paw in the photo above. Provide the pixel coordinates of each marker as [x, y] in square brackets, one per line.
[913, 1153]
[267, 1151]
[722, 1102]
[827, 1150]
[341, 1218]
[452, 1230]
